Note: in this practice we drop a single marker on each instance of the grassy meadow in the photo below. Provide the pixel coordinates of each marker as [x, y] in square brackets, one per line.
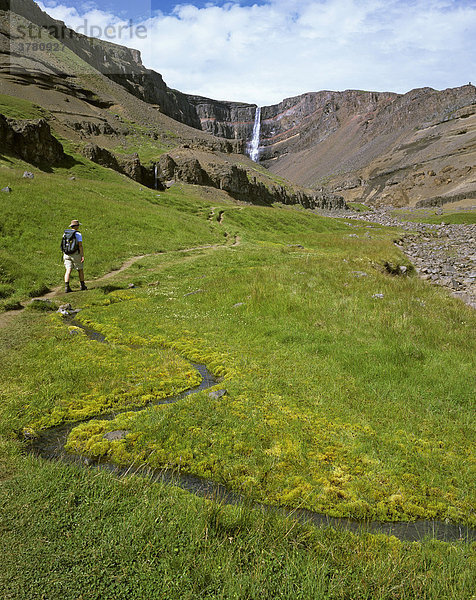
[349, 391]
[127, 220]
[338, 401]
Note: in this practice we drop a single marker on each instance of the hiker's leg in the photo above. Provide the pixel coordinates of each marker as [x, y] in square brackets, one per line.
[67, 274]
[68, 265]
[66, 280]
[81, 279]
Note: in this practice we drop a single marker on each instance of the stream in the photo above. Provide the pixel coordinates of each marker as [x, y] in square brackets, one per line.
[50, 445]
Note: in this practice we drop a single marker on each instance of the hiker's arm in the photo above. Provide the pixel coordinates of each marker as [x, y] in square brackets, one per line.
[80, 244]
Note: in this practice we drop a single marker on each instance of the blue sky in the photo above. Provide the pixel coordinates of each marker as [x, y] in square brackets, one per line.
[138, 9]
[267, 50]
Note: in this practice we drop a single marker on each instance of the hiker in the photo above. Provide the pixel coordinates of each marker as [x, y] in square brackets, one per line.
[73, 254]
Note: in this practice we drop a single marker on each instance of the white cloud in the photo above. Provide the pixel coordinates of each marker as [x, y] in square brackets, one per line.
[279, 48]
[91, 21]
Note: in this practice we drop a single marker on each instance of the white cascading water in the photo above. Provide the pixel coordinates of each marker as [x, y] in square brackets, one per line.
[254, 144]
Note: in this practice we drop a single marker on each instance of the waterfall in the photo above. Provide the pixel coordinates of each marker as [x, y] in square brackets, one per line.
[253, 147]
[155, 176]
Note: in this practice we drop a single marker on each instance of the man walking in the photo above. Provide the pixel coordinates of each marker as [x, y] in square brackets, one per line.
[73, 254]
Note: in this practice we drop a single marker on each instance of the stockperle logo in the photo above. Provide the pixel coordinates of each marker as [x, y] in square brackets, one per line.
[34, 34]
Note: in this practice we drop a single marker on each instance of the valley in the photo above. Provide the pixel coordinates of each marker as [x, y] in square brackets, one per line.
[335, 381]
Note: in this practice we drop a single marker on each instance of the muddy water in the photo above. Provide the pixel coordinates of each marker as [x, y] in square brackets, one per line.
[50, 445]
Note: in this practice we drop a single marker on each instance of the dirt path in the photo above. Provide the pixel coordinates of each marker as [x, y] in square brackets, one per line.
[7, 317]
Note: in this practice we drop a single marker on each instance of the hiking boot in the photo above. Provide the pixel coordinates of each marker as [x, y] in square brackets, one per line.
[67, 289]
[83, 286]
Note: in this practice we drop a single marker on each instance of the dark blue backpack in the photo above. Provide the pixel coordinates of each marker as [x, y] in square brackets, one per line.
[69, 243]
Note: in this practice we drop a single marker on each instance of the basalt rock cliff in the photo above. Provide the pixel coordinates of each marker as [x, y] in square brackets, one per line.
[220, 171]
[119, 63]
[231, 120]
[380, 148]
[224, 173]
[374, 147]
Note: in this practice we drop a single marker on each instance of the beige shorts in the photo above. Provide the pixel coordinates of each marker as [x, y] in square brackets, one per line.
[73, 261]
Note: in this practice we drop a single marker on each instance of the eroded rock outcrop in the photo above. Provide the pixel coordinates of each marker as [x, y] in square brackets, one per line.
[91, 128]
[127, 165]
[242, 184]
[30, 140]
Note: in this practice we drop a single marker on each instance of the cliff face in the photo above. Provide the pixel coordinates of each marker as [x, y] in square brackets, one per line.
[385, 149]
[368, 146]
[231, 120]
[30, 140]
[297, 122]
[119, 63]
[379, 148]
[105, 56]
[304, 121]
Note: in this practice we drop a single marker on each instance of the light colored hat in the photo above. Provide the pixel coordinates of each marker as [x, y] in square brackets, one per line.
[75, 223]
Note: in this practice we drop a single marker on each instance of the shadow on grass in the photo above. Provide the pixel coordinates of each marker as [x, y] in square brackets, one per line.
[110, 287]
[68, 162]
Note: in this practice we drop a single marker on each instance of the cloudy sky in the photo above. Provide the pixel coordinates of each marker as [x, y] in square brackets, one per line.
[263, 51]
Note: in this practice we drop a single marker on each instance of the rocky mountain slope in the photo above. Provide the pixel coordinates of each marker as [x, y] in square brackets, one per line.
[101, 100]
[380, 148]
[119, 63]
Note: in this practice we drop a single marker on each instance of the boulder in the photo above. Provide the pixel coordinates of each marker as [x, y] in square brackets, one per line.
[67, 310]
[114, 436]
[189, 170]
[217, 394]
[101, 156]
[166, 167]
[90, 128]
[131, 166]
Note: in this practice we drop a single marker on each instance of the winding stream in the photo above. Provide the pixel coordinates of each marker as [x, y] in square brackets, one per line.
[50, 445]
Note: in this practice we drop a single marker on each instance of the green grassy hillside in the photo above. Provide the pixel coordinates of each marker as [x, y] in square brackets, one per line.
[119, 219]
[349, 392]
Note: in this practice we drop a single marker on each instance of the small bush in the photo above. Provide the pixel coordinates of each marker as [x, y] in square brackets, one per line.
[6, 290]
[398, 269]
[42, 305]
[10, 305]
[39, 290]
[109, 287]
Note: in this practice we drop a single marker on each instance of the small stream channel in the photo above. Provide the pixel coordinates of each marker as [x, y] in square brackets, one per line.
[50, 445]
